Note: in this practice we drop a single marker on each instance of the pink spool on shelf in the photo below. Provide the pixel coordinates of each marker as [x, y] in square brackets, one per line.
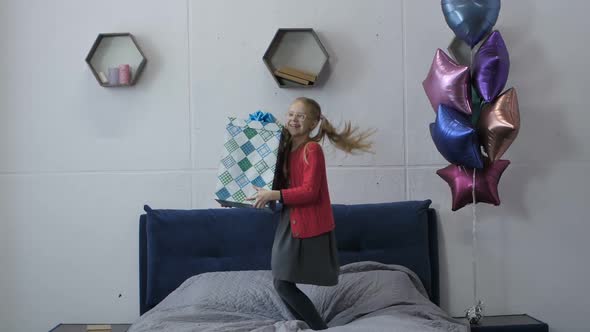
[124, 74]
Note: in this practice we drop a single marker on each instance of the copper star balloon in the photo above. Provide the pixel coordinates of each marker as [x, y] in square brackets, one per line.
[460, 181]
[447, 83]
[499, 124]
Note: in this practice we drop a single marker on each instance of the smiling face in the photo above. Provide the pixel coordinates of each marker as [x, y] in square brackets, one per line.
[299, 120]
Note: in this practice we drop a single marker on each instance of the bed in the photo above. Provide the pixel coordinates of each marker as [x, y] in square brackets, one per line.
[208, 270]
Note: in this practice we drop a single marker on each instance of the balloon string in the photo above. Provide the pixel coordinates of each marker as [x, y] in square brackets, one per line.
[474, 219]
[474, 233]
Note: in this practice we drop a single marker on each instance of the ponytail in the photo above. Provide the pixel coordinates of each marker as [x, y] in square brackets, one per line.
[348, 140]
[283, 159]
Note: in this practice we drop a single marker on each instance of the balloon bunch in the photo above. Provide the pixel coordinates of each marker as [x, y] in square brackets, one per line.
[472, 112]
[475, 121]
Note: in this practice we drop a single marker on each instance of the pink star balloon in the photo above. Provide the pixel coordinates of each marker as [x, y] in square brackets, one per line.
[460, 179]
[448, 83]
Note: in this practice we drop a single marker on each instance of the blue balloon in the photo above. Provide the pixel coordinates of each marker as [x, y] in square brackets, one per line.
[455, 138]
[471, 20]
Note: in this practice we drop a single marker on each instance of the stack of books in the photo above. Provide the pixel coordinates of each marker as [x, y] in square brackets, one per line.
[295, 75]
[99, 328]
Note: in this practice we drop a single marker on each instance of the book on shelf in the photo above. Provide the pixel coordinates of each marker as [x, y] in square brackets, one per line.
[292, 78]
[298, 73]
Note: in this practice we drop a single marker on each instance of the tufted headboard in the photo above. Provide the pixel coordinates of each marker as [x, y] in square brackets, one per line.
[177, 244]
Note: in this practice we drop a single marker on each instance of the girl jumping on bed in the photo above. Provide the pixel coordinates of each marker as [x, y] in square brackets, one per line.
[304, 249]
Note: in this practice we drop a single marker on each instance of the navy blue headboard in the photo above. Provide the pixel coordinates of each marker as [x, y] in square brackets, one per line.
[177, 244]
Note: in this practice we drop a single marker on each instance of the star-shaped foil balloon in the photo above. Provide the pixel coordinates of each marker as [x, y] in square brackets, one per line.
[499, 124]
[448, 83]
[455, 138]
[460, 180]
[491, 65]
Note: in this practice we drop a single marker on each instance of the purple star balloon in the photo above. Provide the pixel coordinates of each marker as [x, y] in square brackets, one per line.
[460, 180]
[448, 83]
[491, 64]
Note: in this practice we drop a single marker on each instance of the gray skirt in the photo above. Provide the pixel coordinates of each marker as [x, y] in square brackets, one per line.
[304, 261]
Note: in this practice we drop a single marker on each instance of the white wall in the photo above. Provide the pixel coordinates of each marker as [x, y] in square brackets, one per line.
[78, 161]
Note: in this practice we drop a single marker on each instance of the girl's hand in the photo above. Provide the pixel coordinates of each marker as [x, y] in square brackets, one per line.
[263, 196]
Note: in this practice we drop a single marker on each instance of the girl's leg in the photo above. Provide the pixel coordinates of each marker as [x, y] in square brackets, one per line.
[282, 285]
[299, 304]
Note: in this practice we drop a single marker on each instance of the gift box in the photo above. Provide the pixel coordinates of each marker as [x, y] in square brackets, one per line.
[249, 158]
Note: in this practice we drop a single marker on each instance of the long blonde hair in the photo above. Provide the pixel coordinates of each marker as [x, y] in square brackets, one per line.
[348, 139]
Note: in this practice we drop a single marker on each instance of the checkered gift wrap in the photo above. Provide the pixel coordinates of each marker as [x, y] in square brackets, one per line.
[248, 159]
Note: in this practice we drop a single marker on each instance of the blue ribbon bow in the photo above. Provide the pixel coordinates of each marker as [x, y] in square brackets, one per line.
[263, 117]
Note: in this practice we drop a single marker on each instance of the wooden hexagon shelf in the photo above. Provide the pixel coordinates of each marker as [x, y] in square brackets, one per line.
[110, 50]
[296, 57]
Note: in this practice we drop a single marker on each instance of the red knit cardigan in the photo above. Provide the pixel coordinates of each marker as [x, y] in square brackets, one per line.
[307, 195]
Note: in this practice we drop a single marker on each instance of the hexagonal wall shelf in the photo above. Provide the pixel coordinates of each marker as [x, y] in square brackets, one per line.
[111, 50]
[295, 57]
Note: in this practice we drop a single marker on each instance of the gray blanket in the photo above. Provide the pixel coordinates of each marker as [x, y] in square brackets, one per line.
[369, 297]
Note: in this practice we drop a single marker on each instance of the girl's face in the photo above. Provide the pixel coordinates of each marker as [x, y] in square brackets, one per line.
[299, 122]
